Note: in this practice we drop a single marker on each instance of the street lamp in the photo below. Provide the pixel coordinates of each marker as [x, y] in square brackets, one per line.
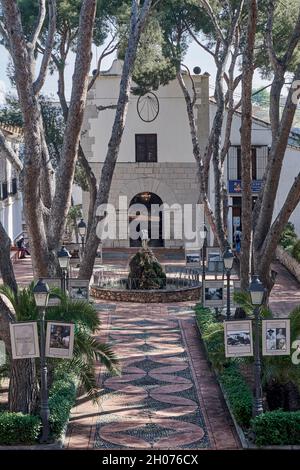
[64, 261]
[228, 262]
[41, 296]
[82, 232]
[257, 292]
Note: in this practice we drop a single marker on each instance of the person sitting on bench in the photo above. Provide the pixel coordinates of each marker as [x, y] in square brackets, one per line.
[22, 248]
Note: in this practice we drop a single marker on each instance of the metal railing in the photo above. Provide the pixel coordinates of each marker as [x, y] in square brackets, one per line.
[177, 278]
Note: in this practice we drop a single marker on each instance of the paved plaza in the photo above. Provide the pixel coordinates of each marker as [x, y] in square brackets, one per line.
[166, 396]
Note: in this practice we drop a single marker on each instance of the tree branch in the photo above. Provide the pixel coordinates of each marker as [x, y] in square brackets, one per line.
[272, 174]
[198, 158]
[39, 25]
[4, 35]
[137, 23]
[293, 42]
[272, 239]
[269, 36]
[65, 173]
[199, 42]
[106, 52]
[213, 18]
[246, 148]
[38, 84]
[9, 154]
[104, 108]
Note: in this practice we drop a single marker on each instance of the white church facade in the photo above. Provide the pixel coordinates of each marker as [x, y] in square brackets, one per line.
[156, 163]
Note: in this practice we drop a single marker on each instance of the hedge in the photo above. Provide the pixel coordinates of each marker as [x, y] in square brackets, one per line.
[238, 392]
[277, 428]
[18, 428]
[62, 397]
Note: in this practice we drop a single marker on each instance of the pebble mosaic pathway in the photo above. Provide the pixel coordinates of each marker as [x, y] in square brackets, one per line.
[166, 396]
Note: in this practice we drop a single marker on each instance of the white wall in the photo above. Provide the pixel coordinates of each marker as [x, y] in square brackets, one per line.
[261, 133]
[171, 125]
[77, 194]
[11, 216]
[10, 208]
[290, 170]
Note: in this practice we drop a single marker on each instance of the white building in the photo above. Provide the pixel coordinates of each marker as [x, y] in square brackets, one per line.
[10, 196]
[261, 142]
[156, 163]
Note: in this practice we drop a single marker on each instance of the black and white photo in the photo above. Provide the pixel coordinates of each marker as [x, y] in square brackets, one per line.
[193, 258]
[79, 289]
[276, 337]
[214, 260]
[60, 340]
[213, 293]
[238, 338]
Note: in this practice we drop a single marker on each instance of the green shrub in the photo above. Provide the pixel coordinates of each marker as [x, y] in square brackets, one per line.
[61, 399]
[296, 250]
[212, 333]
[277, 428]
[238, 394]
[17, 428]
[237, 391]
[288, 237]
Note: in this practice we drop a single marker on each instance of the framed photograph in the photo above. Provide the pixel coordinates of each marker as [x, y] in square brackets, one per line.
[276, 337]
[214, 260]
[79, 289]
[192, 258]
[53, 283]
[238, 338]
[24, 340]
[213, 254]
[60, 340]
[213, 293]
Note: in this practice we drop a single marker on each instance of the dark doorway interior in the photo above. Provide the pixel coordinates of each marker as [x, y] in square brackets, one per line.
[153, 220]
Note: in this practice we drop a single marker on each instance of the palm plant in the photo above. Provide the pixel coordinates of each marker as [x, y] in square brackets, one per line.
[88, 350]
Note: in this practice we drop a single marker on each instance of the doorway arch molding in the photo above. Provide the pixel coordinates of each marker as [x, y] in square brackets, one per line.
[145, 185]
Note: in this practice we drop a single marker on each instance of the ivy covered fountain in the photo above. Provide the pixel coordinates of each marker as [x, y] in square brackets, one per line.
[145, 271]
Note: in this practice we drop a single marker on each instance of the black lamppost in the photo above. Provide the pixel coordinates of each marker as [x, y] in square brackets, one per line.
[41, 296]
[228, 257]
[82, 232]
[257, 292]
[64, 261]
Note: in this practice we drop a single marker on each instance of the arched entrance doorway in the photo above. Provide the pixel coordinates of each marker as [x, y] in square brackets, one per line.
[144, 213]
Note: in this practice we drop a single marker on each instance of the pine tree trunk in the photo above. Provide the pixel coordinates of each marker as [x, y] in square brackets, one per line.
[137, 24]
[246, 150]
[22, 395]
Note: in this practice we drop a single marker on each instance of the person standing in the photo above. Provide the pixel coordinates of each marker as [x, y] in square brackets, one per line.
[238, 240]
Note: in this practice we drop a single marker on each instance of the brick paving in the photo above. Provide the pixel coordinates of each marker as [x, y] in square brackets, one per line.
[166, 396]
[285, 295]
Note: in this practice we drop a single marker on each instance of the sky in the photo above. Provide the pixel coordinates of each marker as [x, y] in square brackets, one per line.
[195, 57]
